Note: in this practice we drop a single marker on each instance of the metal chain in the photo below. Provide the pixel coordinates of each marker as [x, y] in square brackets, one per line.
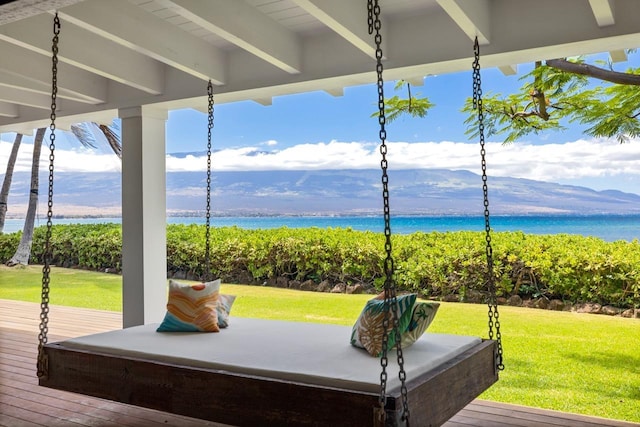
[494, 318]
[390, 300]
[207, 255]
[42, 364]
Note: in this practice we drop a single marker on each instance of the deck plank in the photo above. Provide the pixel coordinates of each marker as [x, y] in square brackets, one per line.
[24, 403]
[540, 416]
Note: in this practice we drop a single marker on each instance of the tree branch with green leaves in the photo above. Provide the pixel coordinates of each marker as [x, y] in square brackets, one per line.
[558, 92]
[412, 105]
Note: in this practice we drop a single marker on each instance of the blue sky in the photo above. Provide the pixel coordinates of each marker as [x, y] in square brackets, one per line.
[320, 131]
[320, 117]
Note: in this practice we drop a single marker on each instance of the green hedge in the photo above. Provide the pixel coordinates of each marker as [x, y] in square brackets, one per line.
[92, 247]
[568, 267]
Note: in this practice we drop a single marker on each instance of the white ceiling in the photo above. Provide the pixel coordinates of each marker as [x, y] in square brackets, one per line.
[121, 53]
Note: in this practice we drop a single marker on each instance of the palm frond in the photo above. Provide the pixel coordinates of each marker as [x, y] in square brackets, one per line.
[84, 135]
[84, 132]
[113, 138]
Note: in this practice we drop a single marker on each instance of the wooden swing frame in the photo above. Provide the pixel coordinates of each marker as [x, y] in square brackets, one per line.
[234, 398]
[251, 400]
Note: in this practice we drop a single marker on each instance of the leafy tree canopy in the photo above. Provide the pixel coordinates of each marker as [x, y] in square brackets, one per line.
[412, 105]
[557, 92]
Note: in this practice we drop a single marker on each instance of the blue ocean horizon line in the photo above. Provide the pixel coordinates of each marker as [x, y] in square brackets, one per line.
[609, 227]
[200, 215]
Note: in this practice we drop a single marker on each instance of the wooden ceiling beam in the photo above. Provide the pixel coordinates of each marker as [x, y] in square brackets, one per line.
[120, 22]
[8, 109]
[87, 51]
[36, 68]
[347, 18]
[603, 12]
[472, 16]
[236, 22]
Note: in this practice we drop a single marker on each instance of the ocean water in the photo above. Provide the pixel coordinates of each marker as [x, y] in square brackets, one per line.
[607, 227]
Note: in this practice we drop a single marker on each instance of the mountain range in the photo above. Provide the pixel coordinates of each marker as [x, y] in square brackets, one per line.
[330, 192]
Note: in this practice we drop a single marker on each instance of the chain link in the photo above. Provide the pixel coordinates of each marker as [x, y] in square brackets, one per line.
[494, 318]
[42, 364]
[390, 300]
[207, 255]
[370, 16]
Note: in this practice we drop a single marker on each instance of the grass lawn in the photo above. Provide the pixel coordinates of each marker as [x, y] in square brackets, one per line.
[570, 362]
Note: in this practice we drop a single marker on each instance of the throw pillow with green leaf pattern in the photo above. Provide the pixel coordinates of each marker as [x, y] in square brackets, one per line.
[368, 330]
[422, 316]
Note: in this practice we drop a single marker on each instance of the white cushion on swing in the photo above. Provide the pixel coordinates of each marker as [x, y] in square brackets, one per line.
[304, 352]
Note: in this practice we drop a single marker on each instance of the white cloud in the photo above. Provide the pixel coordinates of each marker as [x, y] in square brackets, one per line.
[548, 162]
[573, 160]
[76, 160]
[582, 159]
[185, 164]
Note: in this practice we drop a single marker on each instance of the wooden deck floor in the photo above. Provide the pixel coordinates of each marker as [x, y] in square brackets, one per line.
[24, 403]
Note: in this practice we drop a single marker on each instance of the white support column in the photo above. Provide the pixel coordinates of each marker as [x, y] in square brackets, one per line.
[144, 238]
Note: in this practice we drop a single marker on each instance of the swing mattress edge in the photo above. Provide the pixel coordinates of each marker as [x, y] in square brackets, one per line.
[239, 398]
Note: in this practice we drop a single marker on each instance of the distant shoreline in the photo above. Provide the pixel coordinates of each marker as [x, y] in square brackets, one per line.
[609, 227]
[346, 215]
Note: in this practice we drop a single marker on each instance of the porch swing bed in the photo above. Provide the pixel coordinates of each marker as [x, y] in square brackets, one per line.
[272, 373]
[278, 373]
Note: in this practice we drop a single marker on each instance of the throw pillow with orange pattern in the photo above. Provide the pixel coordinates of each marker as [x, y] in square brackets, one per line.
[192, 308]
[224, 308]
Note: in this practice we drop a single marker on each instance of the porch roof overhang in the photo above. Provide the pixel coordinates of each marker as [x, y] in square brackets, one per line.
[126, 53]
